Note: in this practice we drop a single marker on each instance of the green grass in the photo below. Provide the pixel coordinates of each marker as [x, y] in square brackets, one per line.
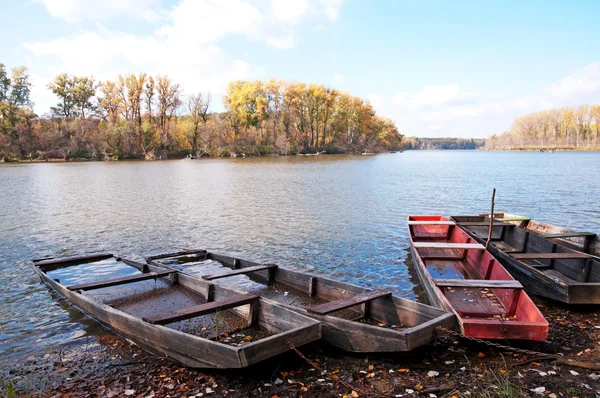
[498, 386]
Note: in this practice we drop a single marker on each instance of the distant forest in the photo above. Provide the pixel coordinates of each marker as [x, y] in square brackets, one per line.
[442, 143]
[148, 117]
[568, 128]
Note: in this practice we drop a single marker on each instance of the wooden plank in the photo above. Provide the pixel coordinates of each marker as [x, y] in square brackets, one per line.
[140, 266]
[72, 260]
[484, 224]
[479, 283]
[121, 281]
[175, 254]
[431, 223]
[239, 271]
[513, 219]
[569, 235]
[341, 304]
[439, 245]
[548, 256]
[202, 309]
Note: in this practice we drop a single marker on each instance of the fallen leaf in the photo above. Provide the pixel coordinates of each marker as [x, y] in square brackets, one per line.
[370, 367]
[354, 394]
[129, 392]
[574, 373]
[418, 387]
[284, 374]
[535, 363]
[402, 370]
[433, 373]
[538, 390]
[481, 355]
[162, 376]
[304, 388]
[335, 371]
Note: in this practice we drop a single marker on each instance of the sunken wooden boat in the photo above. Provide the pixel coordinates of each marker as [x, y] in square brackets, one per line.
[353, 318]
[587, 242]
[543, 266]
[170, 314]
[459, 275]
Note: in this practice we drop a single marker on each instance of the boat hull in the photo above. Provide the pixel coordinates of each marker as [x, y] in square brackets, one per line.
[190, 350]
[557, 279]
[517, 317]
[349, 335]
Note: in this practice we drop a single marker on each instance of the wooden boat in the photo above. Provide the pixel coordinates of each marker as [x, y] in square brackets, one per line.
[174, 315]
[353, 318]
[461, 276]
[544, 267]
[587, 242]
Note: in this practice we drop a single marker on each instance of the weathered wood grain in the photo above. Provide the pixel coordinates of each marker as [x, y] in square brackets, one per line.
[202, 309]
[121, 281]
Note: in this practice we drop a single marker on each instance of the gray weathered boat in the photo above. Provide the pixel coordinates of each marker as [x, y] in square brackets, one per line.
[193, 322]
[543, 266]
[353, 318]
[587, 242]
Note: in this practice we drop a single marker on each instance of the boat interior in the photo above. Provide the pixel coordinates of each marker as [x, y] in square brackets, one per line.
[472, 281]
[556, 261]
[163, 296]
[318, 296]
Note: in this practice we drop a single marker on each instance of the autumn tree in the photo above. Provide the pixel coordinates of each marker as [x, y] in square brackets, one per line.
[16, 113]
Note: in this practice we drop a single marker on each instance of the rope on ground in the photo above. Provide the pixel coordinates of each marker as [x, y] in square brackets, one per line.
[540, 355]
[359, 391]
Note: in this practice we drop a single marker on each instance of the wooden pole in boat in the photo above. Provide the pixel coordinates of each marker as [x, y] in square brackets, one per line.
[489, 239]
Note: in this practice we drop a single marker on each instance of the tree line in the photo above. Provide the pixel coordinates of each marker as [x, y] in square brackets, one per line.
[442, 143]
[566, 127]
[140, 116]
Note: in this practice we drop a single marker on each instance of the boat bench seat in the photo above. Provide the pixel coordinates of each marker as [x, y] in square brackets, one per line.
[341, 304]
[48, 264]
[122, 281]
[431, 222]
[484, 224]
[570, 235]
[440, 245]
[202, 309]
[548, 256]
[479, 283]
[241, 271]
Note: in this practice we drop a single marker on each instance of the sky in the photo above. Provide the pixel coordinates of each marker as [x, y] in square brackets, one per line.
[437, 68]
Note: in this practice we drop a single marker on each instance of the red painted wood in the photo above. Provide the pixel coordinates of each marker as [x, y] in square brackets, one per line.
[491, 313]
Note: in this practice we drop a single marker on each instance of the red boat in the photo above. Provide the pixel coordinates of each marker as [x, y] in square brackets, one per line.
[459, 275]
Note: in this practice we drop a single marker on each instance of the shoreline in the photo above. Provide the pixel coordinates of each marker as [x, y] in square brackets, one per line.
[450, 366]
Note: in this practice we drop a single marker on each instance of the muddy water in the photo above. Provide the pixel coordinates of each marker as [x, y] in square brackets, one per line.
[339, 216]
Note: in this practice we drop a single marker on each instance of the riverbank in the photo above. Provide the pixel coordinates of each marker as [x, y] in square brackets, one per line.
[112, 366]
[545, 149]
[230, 155]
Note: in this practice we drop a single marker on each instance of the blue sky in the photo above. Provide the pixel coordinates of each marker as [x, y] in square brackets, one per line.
[437, 68]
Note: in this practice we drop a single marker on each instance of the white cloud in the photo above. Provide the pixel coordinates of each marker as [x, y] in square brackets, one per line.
[75, 10]
[291, 11]
[184, 43]
[282, 42]
[338, 79]
[208, 21]
[331, 8]
[582, 82]
[449, 111]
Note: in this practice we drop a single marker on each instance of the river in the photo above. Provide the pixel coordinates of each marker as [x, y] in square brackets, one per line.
[340, 216]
